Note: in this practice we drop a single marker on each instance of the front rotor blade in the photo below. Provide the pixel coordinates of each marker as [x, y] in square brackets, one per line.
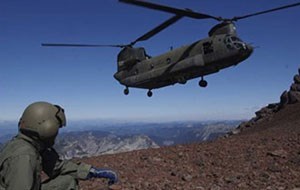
[182, 12]
[80, 45]
[264, 12]
[158, 29]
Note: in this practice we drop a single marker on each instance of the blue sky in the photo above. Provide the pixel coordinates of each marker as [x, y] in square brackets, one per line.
[81, 79]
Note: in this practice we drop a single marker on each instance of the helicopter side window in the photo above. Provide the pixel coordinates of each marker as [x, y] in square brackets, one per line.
[208, 48]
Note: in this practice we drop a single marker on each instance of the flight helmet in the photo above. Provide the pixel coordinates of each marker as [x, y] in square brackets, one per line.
[42, 120]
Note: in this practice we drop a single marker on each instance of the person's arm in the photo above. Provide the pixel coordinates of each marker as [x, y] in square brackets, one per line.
[53, 166]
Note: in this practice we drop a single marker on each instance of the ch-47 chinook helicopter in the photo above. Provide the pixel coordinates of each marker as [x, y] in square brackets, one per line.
[221, 49]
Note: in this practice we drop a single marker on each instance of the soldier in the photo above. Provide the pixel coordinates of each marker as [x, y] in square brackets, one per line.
[29, 153]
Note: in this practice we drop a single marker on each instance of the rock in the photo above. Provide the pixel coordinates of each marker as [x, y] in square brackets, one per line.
[231, 179]
[215, 187]
[284, 99]
[293, 97]
[297, 79]
[264, 112]
[242, 125]
[273, 106]
[295, 87]
[115, 187]
[278, 153]
[234, 132]
[274, 168]
[187, 177]
[173, 173]
[180, 154]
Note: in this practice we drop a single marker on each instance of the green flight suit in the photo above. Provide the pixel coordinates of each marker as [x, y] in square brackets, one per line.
[23, 159]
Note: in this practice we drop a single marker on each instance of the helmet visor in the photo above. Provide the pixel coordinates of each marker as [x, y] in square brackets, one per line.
[60, 116]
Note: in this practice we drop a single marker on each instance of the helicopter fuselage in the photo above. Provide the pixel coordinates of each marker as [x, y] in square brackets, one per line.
[179, 65]
[220, 50]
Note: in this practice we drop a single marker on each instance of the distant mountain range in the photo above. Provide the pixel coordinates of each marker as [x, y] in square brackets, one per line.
[86, 138]
[85, 144]
[128, 137]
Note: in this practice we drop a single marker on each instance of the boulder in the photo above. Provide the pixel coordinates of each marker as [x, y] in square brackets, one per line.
[295, 87]
[297, 79]
[294, 97]
[264, 112]
[284, 99]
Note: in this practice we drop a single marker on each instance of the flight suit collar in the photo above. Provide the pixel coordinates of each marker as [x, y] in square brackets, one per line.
[38, 145]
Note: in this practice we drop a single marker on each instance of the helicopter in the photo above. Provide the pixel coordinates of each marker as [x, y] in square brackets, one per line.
[221, 49]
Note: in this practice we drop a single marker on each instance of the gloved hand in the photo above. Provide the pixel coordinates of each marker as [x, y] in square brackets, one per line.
[103, 173]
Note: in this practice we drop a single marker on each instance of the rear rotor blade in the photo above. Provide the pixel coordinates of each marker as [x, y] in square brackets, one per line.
[80, 45]
[264, 12]
[182, 12]
[157, 29]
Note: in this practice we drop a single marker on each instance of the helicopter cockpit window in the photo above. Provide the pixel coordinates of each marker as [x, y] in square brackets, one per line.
[233, 42]
[141, 54]
[208, 47]
[234, 38]
[129, 53]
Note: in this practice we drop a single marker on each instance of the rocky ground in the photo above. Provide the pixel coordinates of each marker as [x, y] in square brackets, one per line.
[262, 154]
[265, 156]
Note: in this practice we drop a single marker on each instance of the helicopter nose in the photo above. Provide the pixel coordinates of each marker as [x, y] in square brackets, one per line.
[250, 48]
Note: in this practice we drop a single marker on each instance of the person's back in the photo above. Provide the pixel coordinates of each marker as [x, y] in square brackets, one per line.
[16, 158]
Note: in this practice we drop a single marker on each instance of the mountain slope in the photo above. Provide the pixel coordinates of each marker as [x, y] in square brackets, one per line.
[265, 156]
[83, 144]
[264, 153]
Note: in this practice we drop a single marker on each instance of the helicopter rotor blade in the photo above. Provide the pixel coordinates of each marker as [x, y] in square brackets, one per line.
[181, 12]
[80, 45]
[157, 29]
[264, 12]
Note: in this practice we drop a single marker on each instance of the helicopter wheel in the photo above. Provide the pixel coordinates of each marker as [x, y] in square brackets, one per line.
[203, 83]
[126, 91]
[149, 93]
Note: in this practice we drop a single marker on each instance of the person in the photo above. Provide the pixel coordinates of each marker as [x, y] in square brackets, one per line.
[24, 158]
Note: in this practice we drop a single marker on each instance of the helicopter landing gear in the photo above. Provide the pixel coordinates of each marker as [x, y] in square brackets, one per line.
[126, 91]
[149, 93]
[202, 83]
